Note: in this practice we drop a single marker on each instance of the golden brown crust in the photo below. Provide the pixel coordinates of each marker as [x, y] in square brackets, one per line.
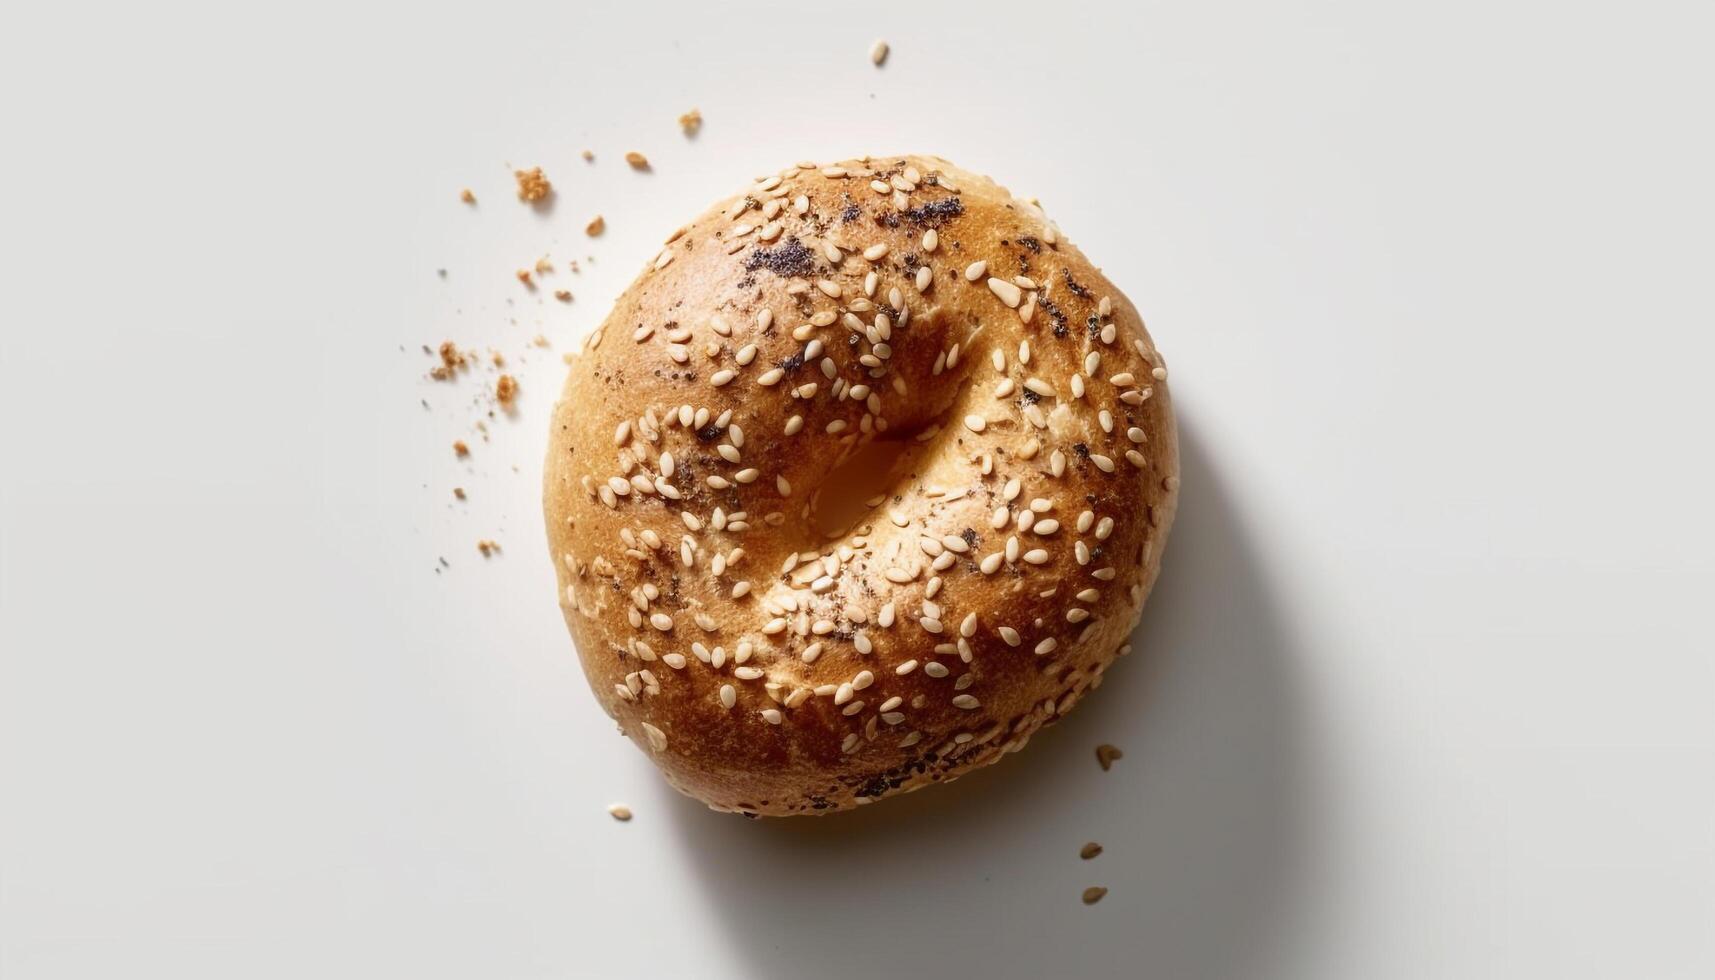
[772, 668]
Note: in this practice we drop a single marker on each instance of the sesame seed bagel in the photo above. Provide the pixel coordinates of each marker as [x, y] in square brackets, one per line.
[864, 480]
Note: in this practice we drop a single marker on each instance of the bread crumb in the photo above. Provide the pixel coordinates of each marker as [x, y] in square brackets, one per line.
[524, 277]
[620, 812]
[543, 265]
[878, 53]
[637, 160]
[1106, 754]
[533, 186]
[563, 295]
[467, 197]
[1089, 850]
[452, 359]
[459, 492]
[498, 359]
[597, 225]
[588, 155]
[487, 547]
[460, 449]
[506, 389]
[539, 340]
[1094, 894]
[690, 122]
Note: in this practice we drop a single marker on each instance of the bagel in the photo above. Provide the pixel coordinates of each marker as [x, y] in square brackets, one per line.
[864, 480]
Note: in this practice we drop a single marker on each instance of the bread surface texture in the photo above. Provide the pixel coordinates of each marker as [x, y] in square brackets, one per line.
[908, 331]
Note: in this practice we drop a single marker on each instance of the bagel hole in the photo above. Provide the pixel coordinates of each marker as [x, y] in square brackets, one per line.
[872, 469]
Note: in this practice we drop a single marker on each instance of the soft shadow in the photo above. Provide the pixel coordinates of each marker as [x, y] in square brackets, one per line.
[1200, 820]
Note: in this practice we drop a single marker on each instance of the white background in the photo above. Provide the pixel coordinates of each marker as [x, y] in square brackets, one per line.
[1426, 689]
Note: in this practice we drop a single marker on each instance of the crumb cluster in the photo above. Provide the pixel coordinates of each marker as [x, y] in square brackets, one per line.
[533, 186]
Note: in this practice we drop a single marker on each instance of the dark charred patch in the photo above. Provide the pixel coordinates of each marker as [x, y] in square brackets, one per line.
[788, 260]
[1082, 450]
[1072, 284]
[1030, 397]
[791, 364]
[850, 213]
[935, 213]
[1055, 313]
[969, 535]
[709, 433]
[1030, 242]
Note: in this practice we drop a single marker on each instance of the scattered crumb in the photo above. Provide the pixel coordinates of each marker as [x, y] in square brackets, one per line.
[487, 547]
[460, 449]
[498, 358]
[539, 340]
[524, 277]
[1106, 754]
[467, 197]
[563, 295]
[588, 155]
[452, 359]
[543, 265]
[459, 492]
[1089, 850]
[620, 812]
[690, 122]
[506, 389]
[533, 186]
[597, 225]
[637, 160]
[1094, 894]
[878, 53]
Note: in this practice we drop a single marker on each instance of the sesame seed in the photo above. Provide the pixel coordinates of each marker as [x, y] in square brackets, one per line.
[1094, 894]
[876, 251]
[975, 423]
[1008, 292]
[966, 702]
[905, 668]
[1036, 556]
[746, 673]
[1010, 635]
[1047, 646]
[975, 270]
[771, 715]
[620, 812]
[934, 669]
[657, 737]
